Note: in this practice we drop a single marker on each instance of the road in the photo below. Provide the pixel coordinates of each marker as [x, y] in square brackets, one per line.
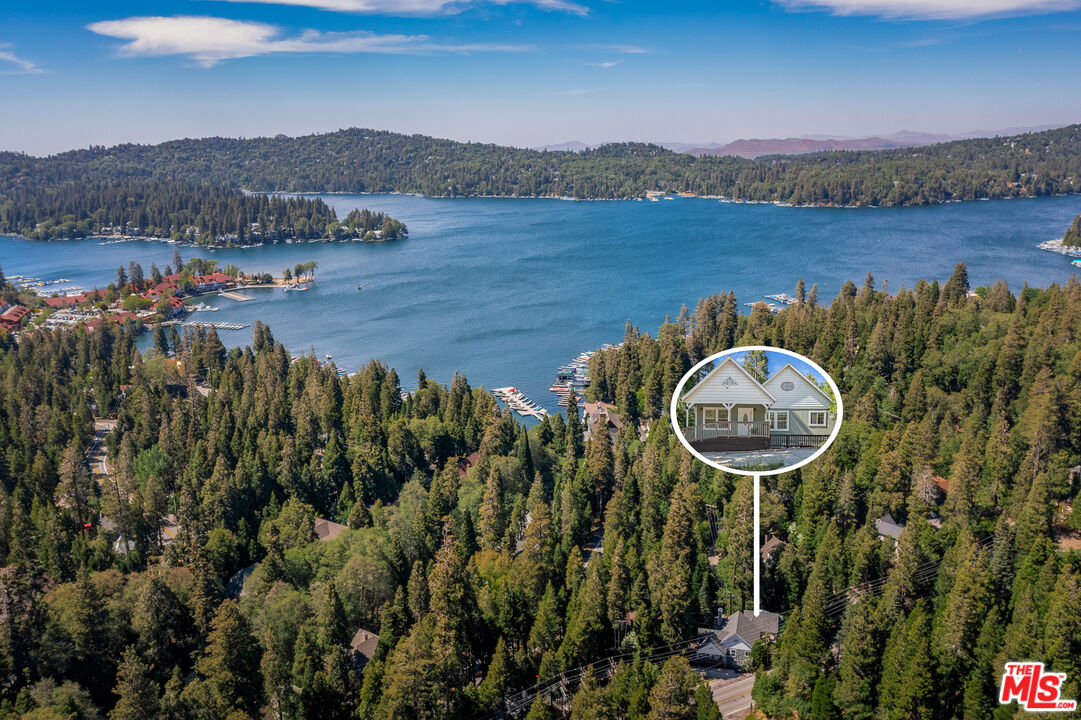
[97, 448]
[732, 692]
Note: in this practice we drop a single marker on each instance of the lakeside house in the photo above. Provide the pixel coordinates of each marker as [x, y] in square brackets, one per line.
[598, 412]
[731, 410]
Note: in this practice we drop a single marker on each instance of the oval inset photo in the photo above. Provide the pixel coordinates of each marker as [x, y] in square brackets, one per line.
[757, 410]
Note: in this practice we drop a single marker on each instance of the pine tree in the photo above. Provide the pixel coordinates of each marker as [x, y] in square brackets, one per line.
[548, 627]
[677, 563]
[492, 689]
[585, 636]
[756, 362]
[908, 671]
[860, 662]
[334, 631]
[672, 698]
[493, 513]
[136, 689]
[822, 707]
[230, 664]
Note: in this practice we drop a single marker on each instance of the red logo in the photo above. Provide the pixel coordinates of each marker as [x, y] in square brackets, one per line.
[1033, 689]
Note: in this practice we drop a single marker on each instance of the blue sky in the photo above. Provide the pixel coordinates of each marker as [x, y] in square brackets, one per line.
[534, 72]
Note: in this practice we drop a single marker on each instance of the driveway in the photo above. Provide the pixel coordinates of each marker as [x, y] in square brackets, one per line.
[743, 458]
[731, 691]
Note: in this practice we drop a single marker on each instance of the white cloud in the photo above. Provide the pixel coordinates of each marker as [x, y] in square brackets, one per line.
[933, 9]
[420, 7]
[25, 66]
[209, 40]
[608, 64]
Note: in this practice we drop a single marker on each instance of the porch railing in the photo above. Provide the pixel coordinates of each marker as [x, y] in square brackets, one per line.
[797, 441]
[726, 428]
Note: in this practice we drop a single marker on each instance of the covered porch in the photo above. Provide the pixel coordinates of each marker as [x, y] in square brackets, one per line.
[725, 427]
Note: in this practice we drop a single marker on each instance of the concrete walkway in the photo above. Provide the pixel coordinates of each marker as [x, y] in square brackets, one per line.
[743, 458]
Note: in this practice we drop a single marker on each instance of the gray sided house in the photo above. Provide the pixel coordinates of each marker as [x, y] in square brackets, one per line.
[729, 410]
[731, 645]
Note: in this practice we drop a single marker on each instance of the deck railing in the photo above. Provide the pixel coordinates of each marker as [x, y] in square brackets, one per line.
[797, 441]
[726, 428]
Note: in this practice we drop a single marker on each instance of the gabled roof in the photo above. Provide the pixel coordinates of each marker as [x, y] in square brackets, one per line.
[364, 643]
[748, 627]
[887, 527]
[807, 380]
[328, 529]
[728, 360]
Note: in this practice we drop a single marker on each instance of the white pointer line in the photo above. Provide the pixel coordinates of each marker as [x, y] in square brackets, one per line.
[757, 544]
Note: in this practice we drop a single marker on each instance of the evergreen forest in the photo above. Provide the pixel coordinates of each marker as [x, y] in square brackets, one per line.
[360, 160]
[186, 576]
[181, 210]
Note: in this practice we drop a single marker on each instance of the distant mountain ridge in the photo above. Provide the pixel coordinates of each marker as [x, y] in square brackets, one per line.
[752, 148]
[359, 160]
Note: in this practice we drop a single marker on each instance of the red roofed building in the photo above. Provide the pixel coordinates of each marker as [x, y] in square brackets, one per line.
[13, 317]
[67, 301]
[123, 317]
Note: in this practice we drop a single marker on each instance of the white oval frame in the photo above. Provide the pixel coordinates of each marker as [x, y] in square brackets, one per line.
[745, 348]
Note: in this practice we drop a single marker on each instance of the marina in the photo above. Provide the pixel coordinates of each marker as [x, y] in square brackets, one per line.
[44, 288]
[783, 298]
[215, 325]
[1056, 246]
[519, 403]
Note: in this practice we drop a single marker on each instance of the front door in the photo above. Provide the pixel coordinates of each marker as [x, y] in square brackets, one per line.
[746, 415]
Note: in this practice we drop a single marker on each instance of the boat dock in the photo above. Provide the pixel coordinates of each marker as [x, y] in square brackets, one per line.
[772, 307]
[574, 376]
[514, 399]
[215, 325]
[784, 299]
[234, 295]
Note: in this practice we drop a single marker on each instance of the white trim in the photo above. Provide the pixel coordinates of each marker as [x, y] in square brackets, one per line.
[825, 415]
[687, 395]
[813, 385]
[775, 415]
[838, 417]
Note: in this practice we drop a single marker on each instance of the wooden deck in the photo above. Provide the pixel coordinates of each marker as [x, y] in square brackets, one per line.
[734, 443]
[728, 435]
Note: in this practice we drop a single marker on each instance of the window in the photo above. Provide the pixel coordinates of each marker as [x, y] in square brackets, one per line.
[778, 420]
[715, 414]
[818, 418]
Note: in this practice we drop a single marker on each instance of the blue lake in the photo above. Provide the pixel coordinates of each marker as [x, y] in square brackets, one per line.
[506, 290]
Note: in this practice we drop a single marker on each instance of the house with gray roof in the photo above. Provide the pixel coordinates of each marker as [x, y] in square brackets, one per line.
[731, 645]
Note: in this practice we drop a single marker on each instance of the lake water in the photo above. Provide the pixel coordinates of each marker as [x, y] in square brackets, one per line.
[506, 290]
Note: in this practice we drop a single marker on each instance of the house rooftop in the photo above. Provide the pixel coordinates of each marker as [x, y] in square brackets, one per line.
[328, 529]
[364, 643]
[887, 527]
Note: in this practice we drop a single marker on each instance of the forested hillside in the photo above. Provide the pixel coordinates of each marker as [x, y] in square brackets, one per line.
[473, 573]
[358, 160]
[184, 210]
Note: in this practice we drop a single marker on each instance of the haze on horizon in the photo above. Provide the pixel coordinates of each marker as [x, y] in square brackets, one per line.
[532, 72]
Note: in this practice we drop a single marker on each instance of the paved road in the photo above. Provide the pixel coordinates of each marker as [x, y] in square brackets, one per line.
[97, 448]
[732, 692]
